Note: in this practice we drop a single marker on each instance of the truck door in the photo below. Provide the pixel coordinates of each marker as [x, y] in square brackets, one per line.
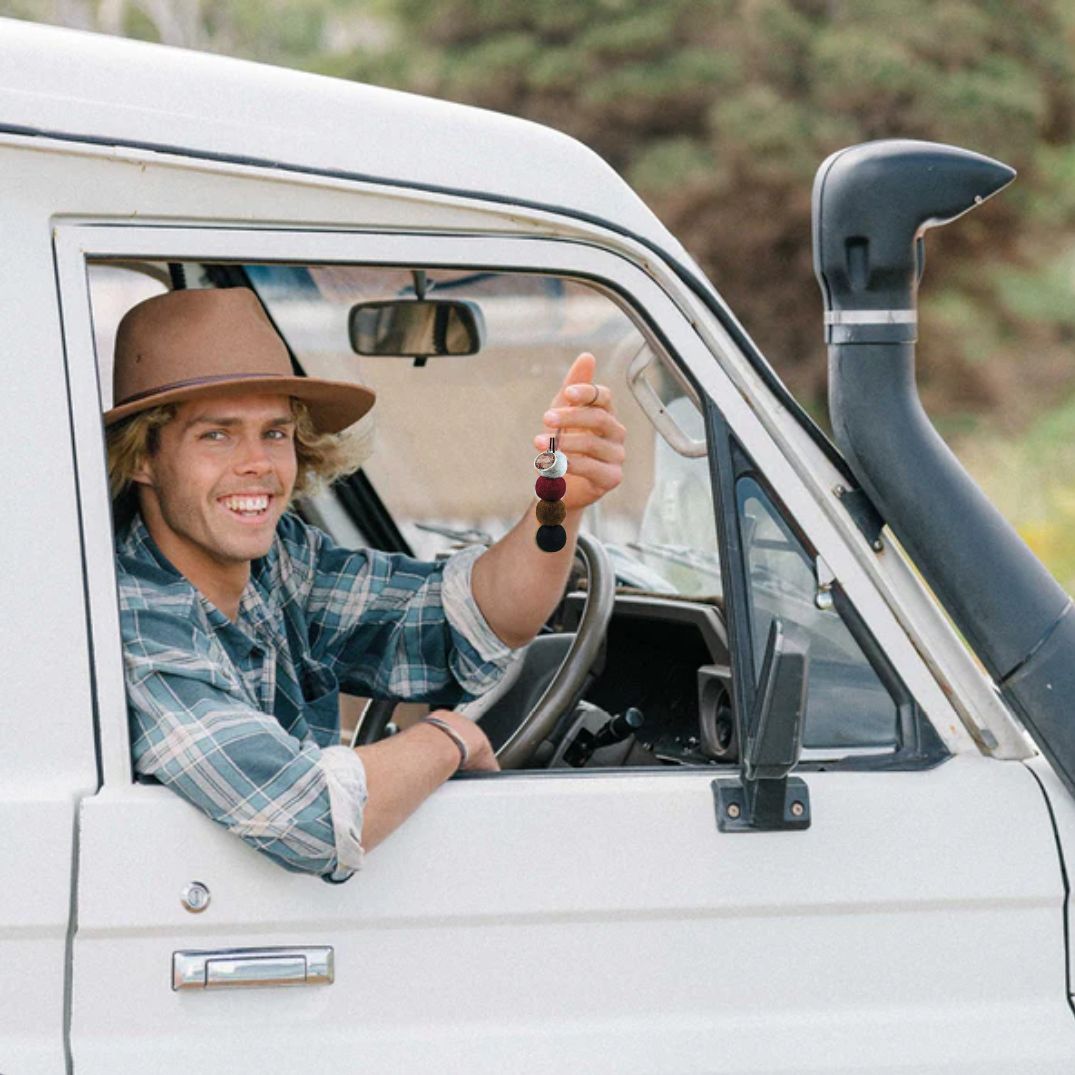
[46, 706]
[591, 919]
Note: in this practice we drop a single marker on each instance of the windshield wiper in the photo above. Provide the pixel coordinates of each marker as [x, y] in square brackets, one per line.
[468, 537]
[680, 554]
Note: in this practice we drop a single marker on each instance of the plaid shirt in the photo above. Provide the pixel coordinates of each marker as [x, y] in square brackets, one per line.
[242, 719]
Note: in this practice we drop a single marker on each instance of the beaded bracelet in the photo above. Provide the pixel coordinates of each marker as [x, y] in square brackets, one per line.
[550, 488]
[452, 734]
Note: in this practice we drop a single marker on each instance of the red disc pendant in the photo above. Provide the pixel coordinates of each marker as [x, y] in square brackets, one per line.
[550, 488]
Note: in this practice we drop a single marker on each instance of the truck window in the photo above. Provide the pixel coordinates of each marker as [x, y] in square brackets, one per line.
[114, 289]
[658, 526]
[847, 705]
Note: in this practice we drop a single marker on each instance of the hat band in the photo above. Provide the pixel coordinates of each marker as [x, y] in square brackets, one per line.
[194, 381]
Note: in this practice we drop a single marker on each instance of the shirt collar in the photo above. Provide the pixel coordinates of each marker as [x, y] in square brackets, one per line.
[135, 540]
[258, 605]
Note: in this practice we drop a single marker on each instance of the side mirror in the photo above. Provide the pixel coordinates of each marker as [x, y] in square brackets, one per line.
[765, 798]
[418, 329]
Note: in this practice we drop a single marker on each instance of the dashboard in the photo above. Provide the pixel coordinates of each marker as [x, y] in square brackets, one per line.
[667, 657]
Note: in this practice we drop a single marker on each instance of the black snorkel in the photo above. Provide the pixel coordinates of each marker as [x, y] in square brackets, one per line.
[871, 205]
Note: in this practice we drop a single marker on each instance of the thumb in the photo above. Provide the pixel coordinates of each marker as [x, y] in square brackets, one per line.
[581, 372]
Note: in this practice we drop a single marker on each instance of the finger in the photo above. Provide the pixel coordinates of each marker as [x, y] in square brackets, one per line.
[590, 418]
[601, 476]
[581, 371]
[574, 445]
[583, 395]
[577, 445]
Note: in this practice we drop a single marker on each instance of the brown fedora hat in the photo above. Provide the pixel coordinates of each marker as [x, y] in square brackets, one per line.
[204, 342]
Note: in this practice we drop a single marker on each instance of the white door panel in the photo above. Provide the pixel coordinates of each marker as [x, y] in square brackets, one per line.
[35, 902]
[514, 922]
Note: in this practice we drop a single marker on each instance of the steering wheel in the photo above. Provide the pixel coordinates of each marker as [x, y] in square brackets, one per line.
[568, 680]
[546, 680]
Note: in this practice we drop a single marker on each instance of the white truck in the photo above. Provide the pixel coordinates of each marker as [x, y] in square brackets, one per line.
[788, 777]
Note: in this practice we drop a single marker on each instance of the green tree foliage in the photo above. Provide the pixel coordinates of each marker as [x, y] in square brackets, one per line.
[720, 111]
[288, 32]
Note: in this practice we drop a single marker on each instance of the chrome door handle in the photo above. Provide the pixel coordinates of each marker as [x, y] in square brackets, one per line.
[226, 968]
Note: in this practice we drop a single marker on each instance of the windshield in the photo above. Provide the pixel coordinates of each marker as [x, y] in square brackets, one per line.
[453, 435]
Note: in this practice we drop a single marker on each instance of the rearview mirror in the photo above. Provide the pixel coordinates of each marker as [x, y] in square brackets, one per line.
[419, 328]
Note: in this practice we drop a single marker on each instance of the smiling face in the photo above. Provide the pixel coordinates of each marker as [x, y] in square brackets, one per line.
[222, 475]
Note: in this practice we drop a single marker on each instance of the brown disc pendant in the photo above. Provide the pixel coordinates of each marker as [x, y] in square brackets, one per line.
[551, 512]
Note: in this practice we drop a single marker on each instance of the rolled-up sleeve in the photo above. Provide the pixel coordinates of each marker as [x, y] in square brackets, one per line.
[193, 730]
[394, 626]
[345, 776]
[468, 620]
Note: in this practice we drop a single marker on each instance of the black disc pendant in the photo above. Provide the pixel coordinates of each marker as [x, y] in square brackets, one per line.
[551, 538]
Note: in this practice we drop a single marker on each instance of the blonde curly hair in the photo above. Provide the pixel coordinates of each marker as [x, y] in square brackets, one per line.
[321, 457]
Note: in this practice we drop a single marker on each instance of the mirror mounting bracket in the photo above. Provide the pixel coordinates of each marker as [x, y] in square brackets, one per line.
[762, 805]
[764, 798]
[863, 513]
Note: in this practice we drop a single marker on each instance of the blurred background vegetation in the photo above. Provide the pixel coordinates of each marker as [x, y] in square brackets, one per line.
[718, 112]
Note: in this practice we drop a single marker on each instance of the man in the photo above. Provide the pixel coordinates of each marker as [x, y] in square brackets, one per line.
[241, 623]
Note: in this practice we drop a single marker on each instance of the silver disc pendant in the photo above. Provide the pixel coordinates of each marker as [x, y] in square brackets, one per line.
[551, 464]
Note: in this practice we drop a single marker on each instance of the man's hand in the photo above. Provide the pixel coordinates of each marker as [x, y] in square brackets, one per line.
[403, 770]
[515, 583]
[587, 432]
[480, 756]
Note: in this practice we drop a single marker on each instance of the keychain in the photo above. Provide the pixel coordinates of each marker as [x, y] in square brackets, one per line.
[551, 466]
